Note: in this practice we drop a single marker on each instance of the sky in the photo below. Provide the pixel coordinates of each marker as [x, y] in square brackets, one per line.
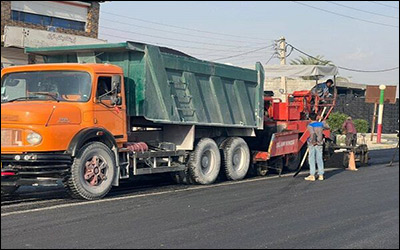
[360, 35]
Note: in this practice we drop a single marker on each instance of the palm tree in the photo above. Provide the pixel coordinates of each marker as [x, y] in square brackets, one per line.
[318, 60]
[310, 61]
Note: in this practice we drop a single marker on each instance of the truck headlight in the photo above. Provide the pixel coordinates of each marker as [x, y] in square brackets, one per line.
[33, 138]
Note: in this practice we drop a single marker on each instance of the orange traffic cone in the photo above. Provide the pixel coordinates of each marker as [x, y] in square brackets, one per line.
[352, 162]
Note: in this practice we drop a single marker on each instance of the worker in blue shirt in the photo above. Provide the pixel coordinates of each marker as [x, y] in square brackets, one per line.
[315, 146]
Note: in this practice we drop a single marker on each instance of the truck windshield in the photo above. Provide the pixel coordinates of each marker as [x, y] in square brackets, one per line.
[63, 86]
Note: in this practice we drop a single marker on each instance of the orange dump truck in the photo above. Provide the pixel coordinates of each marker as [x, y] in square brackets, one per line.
[95, 114]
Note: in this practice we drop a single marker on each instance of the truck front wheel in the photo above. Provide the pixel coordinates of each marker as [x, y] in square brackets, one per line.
[92, 172]
[236, 155]
[205, 162]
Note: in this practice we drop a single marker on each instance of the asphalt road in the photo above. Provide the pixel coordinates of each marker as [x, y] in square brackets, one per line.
[347, 210]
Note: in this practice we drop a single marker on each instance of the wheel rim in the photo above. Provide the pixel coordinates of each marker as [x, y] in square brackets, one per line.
[238, 159]
[96, 169]
[207, 162]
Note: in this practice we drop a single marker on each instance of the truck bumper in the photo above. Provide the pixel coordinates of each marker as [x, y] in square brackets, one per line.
[34, 169]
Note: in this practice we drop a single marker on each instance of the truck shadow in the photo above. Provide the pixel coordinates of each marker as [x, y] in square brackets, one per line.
[155, 182]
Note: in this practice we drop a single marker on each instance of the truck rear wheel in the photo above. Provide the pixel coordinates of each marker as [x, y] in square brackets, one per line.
[92, 172]
[205, 162]
[236, 155]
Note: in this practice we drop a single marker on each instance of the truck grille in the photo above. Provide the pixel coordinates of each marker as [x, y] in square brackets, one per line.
[11, 137]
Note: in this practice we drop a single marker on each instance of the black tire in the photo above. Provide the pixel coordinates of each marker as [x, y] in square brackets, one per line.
[205, 162]
[293, 162]
[236, 158]
[8, 190]
[78, 183]
[363, 155]
[365, 159]
[295, 159]
[261, 170]
[345, 162]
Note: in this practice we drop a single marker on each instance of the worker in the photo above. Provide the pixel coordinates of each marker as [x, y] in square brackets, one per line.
[350, 131]
[319, 93]
[315, 146]
[322, 89]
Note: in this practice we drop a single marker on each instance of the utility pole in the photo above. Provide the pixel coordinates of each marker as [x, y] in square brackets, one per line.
[282, 52]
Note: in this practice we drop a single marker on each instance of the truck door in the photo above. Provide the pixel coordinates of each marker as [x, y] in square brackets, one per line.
[108, 115]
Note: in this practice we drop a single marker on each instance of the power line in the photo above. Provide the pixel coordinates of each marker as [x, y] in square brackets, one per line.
[345, 68]
[272, 56]
[174, 32]
[175, 46]
[247, 56]
[359, 19]
[234, 47]
[167, 38]
[151, 28]
[245, 53]
[184, 28]
[226, 53]
[289, 52]
[125, 38]
[369, 71]
[373, 13]
[390, 6]
[248, 47]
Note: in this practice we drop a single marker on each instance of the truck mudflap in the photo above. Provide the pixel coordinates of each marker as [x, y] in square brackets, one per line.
[283, 143]
[34, 168]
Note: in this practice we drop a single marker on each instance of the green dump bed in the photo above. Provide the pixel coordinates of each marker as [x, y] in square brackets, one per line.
[167, 86]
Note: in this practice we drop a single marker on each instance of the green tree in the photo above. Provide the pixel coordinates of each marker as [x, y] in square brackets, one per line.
[336, 120]
[362, 125]
[302, 60]
[342, 79]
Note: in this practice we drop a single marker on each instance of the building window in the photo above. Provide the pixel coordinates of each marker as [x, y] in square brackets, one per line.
[47, 20]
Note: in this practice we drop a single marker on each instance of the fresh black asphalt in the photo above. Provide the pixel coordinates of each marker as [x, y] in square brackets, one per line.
[347, 210]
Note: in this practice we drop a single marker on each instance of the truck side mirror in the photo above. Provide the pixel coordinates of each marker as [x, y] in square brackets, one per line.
[116, 83]
[116, 100]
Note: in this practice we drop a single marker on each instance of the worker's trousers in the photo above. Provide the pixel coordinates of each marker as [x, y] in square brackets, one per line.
[315, 156]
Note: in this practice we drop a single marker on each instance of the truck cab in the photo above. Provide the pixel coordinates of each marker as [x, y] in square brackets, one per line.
[49, 111]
